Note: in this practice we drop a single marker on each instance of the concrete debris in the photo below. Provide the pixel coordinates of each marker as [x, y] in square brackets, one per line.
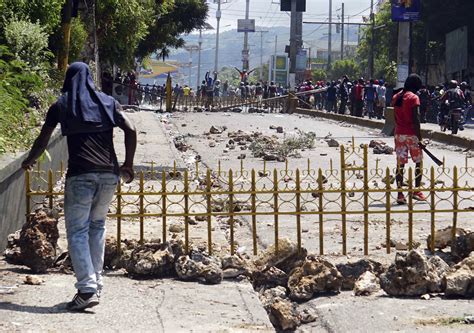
[35, 245]
[232, 273]
[400, 246]
[269, 278]
[463, 246]
[279, 129]
[241, 157]
[375, 143]
[315, 276]
[443, 237]
[176, 228]
[33, 280]
[459, 280]
[332, 143]
[268, 296]
[217, 129]
[283, 314]
[154, 259]
[351, 272]
[367, 284]
[199, 266]
[234, 261]
[180, 143]
[212, 144]
[413, 274]
[383, 150]
[285, 259]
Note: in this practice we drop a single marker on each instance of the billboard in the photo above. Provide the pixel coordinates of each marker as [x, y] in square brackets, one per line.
[279, 69]
[244, 25]
[406, 10]
[301, 59]
[456, 50]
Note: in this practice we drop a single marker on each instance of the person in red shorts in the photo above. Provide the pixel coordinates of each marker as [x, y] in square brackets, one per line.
[408, 134]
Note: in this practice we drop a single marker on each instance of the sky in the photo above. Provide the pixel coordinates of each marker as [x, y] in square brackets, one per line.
[267, 12]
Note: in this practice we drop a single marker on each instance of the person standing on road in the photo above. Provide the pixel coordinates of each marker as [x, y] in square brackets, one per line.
[359, 98]
[408, 134]
[87, 118]
[382, 99]
[370, 95]
[331, 97]
[343, 95]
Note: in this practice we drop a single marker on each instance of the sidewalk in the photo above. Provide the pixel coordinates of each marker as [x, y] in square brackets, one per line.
[130, 305]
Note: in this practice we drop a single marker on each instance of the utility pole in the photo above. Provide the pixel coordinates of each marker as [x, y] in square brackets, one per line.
[199, 60]
[245, 52]
[342, 32]
[293, 44]
[218, 17]
[261, 53]
[274, 59]
[330, 35]
[372, 41]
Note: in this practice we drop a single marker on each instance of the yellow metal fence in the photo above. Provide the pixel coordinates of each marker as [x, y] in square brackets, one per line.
[352, 189]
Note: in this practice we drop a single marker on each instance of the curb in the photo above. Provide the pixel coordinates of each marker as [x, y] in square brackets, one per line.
[438, 136]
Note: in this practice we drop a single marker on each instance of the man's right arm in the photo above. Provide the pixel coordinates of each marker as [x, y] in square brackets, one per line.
[130, 132]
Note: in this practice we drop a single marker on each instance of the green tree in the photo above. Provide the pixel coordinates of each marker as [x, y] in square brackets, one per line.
[319, 75]
[345, 67]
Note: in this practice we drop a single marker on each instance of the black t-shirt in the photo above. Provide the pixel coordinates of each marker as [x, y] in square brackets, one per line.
[89, 152]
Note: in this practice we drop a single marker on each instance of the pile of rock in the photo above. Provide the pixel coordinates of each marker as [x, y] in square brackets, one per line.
[380, 147]
[35, 245]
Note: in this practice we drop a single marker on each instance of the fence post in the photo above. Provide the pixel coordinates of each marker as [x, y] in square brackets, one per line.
[231, 211]
[320, 210]
[455, 202]
[186, 212]
[388, 207]
[163, 203]
[254, 210]
[142, 208]
[298, 209]
[366, 202]
[433, 209]
[209, 210]
[343, 201]
[50, 189]
[410, 208]
[275, 207]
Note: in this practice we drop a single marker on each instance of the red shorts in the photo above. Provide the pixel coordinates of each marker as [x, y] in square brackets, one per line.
[405, 144]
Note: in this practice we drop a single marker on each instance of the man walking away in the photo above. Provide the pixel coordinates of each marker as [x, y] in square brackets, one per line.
[331, 97]
[359, 98]
[408, 134]
[382, 99]
[370, 95]
[424, 95]
[87, 119]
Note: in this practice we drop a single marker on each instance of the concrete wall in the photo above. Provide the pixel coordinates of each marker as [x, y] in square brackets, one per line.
[12, 186]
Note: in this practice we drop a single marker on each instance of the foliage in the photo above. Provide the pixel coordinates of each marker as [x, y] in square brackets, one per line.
[230, 74]
[28, 42]
[169, 22]
[17, 120]
[319, 75]
[290, 146]
[46, 12]
[345, 67]
[78, 38]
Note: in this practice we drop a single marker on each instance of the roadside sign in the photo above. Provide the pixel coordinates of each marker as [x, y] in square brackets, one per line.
[406, 10]
[244, 25]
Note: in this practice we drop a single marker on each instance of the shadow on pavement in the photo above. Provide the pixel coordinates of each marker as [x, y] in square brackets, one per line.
[58, 308]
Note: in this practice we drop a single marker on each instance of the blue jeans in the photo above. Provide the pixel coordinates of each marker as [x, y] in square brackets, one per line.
[370, 108]
[86, 203]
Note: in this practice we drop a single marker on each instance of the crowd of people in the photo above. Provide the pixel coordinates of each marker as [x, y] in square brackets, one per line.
[370, 98]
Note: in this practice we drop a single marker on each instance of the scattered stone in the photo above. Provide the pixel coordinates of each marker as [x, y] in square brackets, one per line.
[332, 143]
[459, 280]
[315, 276]
[463, 246]
[234, 261]
[367, 284]
[270, 278]
[241, 156]
[413, 274]
[184, 125]
[232, 273]
[375, 143]
[286, 259]
[283, 315]
[383, 150]
[199, 266]
[399, 246]
[425, 297]
[443, 237]
[35, 245]
[176, 228]
[225, 151]
[180, 143]
[217, 129]
[154, 259]
[351, 272]
[279, 129]
[200, 218]
[212, 144]
[33, 280]
[263, 174]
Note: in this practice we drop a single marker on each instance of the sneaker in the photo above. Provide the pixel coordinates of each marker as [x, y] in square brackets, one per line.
[82, 301]
[401, 200]
[419, 196]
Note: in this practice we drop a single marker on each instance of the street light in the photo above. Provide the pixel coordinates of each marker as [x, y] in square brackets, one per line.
[218, 17]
